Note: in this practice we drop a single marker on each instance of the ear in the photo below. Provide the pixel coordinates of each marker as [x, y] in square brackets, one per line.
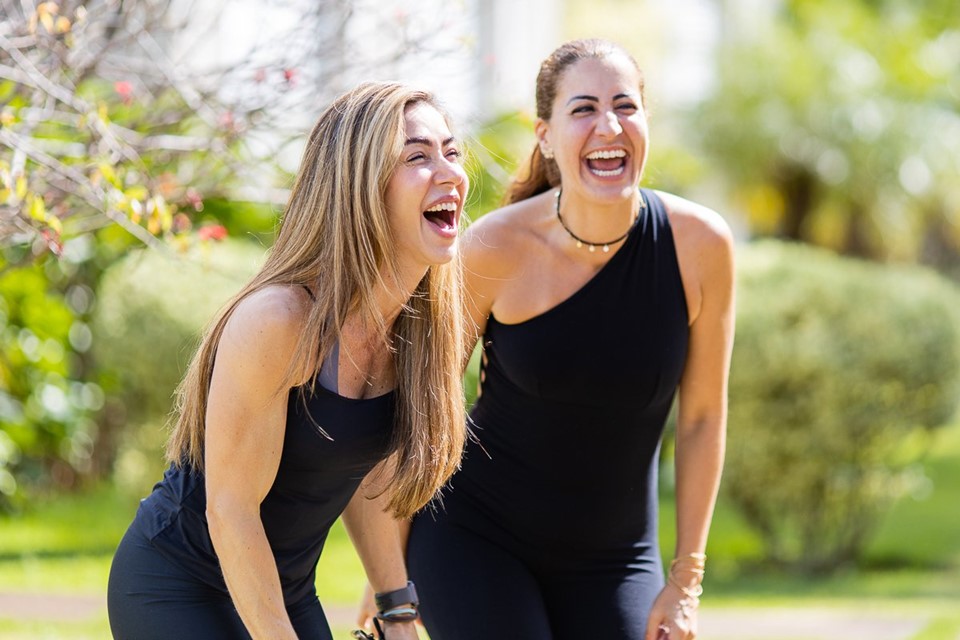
[541, 129]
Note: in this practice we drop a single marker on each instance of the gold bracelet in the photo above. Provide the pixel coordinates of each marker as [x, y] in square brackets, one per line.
[696, 559]
[693, 592]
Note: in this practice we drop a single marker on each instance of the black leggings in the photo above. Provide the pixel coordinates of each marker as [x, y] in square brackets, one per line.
[150, 597]
[472, 588]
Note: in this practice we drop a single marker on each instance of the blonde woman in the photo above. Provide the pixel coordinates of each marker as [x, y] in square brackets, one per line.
[336, 368]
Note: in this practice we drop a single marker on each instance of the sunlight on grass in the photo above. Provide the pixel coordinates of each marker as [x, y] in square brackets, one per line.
[945, 627]
[65, 547]
[93, 629]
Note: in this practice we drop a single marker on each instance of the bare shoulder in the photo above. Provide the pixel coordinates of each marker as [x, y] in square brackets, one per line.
[705, 247]
[278, 310]
[264, 328]
[696, 227]
[495, 243]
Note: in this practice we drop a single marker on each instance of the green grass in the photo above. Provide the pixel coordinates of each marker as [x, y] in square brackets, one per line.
[65, 545]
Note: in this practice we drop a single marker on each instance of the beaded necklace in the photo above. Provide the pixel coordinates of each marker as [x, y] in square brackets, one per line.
[593, 245]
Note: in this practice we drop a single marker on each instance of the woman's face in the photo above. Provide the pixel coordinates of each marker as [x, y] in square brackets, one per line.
[598, 128]
[427, 190]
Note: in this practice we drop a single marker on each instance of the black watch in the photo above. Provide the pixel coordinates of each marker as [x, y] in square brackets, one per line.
[392, 599]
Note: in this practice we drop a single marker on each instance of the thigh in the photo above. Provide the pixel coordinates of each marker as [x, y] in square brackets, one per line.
[597, 603]
[471, 588]
[149, 597]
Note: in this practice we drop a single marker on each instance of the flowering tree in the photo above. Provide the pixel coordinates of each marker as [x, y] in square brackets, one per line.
[117, 125]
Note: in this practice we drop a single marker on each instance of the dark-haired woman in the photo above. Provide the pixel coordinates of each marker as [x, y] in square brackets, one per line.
[596, 302]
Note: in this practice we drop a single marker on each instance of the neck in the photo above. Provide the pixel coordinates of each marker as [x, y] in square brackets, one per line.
[597, 225]
[394, 291]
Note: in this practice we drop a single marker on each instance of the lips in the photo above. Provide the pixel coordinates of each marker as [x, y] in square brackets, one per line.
[606, 162]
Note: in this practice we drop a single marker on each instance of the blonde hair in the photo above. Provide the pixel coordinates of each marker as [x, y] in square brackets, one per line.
[335, 239]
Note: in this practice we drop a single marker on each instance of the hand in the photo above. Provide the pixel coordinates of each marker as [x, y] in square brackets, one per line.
[368, 609]
[673, 616]
[400, 630]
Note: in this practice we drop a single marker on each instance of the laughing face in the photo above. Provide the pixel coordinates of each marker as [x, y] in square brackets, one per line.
[427, 190]
[597, 130]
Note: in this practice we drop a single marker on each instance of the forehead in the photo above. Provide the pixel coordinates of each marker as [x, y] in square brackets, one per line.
[599, 77]
[422, 120]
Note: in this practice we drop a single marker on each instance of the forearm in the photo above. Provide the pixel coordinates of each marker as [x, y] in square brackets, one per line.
[380, 541]
[250, 572]
[699, 463]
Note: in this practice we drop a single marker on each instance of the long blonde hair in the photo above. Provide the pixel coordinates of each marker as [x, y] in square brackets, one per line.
[335, 239]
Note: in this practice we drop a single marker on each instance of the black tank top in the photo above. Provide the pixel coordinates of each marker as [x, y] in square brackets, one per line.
[573, 405]
[316, 478]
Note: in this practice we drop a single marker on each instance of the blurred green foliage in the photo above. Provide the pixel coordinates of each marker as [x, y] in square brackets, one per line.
[840, 369]
[44, 408]
[152, 309]
[838, 123]
[495, 153]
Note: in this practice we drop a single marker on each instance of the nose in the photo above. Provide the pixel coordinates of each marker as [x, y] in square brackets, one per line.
[609, 125]
[450, 172]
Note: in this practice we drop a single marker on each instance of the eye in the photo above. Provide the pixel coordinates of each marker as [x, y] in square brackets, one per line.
[415, 157]
[456, 154]
[586, 108]
[627, 106]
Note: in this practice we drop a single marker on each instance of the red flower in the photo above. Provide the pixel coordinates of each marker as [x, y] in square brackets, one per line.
[125, 90]
[212, 232]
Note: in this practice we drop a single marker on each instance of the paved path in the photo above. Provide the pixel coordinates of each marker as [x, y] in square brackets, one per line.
[715, 624]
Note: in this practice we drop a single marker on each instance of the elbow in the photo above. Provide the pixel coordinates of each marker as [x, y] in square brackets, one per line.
[215, 521]
[222, 517]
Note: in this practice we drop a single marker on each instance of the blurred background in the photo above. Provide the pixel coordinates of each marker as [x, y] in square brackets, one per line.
[147, 148]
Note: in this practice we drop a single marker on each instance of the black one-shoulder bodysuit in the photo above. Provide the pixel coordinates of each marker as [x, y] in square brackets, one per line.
[549, 530]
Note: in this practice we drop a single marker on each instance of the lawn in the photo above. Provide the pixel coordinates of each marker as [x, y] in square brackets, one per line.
[912, 564]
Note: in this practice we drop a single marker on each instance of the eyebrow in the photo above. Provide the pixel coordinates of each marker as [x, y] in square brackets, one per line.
[596, 99]
[427, 142]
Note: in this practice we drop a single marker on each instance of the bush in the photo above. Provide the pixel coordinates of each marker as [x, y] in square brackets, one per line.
[151, 312]
[839, 370]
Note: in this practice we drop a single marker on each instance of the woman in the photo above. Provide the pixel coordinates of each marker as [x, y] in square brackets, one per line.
[596, 301]
[338, 363]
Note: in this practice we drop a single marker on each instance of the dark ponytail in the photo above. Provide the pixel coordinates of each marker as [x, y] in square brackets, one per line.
[538, 175]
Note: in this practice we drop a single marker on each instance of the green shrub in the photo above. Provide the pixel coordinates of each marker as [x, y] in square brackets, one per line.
[839, 370]
[152, 309]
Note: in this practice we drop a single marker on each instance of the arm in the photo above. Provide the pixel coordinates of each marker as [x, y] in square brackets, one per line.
[701, 422]
[381, 542]
[246, 416]
[487, 264]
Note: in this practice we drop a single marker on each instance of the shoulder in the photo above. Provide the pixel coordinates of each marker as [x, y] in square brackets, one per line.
[700, 233]
[265, 328]
[275, 311]
[503, 236]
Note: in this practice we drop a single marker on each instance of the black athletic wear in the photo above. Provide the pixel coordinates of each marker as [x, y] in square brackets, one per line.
[165, 581]
[549, 530]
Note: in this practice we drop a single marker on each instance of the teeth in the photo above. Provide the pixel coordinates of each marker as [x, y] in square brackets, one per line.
[600, 172]
[606, 155]
[444, 206]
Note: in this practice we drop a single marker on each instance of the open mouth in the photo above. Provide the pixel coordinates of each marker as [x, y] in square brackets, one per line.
[443, 216]
[607, 163]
